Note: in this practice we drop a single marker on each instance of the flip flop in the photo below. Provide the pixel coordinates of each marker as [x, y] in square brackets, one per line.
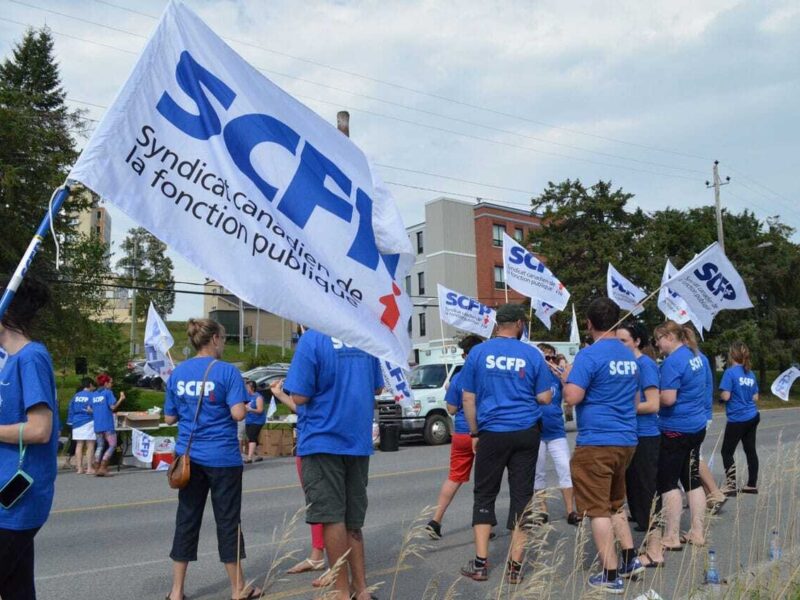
[687, 540]
[746, 490]
[672, 548]
[652, 564]
[308, 565]
[254, 593]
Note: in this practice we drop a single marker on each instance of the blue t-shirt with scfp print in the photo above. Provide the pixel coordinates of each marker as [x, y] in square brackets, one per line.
[505, 375]
[647, 425]
[102, 401]
[742, 385]
[27, 381]
[608, 372]
[454, 397]
[709, 387]
[553, 413]
[684, 372]
[78, 413]
[340, 382]
[216, 441]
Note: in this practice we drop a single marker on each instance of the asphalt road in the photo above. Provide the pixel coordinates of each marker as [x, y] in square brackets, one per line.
[111, 538]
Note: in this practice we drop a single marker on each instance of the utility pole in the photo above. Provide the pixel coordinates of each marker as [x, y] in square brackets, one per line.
[258, 330]
[716, 185]
[133, 299]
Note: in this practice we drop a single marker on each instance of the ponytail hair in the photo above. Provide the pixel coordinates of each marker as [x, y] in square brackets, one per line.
[740, 353]
[200, 331]
[683, 333]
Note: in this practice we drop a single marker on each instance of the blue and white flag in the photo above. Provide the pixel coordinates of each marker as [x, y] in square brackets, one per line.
[253, 188]
[672, 305]
[397, 383]
[623, 292]
[463, 312]
[142, 445]
[529, 276]
[781, 386]
[157, 342]
[544, 311]
[709, 283]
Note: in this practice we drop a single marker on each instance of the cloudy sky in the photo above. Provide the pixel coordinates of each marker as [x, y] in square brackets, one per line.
[495, 99]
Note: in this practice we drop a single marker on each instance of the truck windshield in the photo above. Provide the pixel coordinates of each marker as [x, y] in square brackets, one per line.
[427, 377]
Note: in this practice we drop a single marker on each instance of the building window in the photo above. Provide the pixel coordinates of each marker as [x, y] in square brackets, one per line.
[422, 324]
[519, 234]
[421, 284]
[99, 215]
[408, 284]
[410, 326]
[497, 235]
[420, 247]
[499, 278]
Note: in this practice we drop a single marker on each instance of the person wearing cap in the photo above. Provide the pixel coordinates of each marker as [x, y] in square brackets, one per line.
[504, 380]
[603, 385]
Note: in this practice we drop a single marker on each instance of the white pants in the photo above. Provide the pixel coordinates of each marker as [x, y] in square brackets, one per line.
[559, 452]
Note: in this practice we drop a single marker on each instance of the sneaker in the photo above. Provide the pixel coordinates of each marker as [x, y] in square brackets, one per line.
[600, 582]
[434, 530]
[476, 573]
[634, 567]
[513, 574]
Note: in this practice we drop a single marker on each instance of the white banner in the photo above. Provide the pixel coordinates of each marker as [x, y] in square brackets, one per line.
[272, 408]
[709, 283]
[253, 188]
[464, 312]
[397, 383]
[672, 305]
[142, 445]
[529, 276]
[782, 385]
[544, 311]
[157, 342]
[623, 292]
[574, 331]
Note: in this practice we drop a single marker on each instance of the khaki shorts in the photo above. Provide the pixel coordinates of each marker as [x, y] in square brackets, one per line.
[598, 475]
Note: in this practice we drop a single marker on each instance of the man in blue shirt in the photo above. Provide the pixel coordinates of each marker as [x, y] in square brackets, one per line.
[504, 381]
[603, 385]
[333, 386]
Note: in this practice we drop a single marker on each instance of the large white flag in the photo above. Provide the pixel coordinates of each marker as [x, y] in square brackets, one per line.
[544, 311]
[464, 312]
[623, 292]
[157, 342]
[780, 387]
[709, 283]
[529, 276]
[253, 188]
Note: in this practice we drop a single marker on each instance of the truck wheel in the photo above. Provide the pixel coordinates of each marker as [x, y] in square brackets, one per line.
[437, 430]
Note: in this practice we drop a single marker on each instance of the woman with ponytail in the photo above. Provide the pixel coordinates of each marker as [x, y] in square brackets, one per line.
[739, 391]
[682, 421]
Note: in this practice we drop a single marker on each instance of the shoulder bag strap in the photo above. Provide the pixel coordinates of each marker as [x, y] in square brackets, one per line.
[199, 404]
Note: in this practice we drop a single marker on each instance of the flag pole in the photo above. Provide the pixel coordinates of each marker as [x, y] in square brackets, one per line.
[630, 312]
[56, 201]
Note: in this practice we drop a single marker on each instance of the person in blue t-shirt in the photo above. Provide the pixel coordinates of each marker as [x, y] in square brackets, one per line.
[603, 386]
[216, 463]
[333, 385]
[554, 441]
[28, 416]
[79, 417]
[254, 421]
[504, 380]
[461, 454]
[739, 391]
[641, 476]
[682, 420]
[104, 405]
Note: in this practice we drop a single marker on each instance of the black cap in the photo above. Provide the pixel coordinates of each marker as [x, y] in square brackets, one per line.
[510, 313]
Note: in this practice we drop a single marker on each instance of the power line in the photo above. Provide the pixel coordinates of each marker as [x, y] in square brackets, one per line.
[439, 115]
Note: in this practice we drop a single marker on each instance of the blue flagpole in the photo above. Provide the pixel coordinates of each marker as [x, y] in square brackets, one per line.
[22, 268]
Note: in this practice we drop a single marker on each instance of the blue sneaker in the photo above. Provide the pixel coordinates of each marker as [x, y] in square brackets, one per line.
[634, 567]
[600, 582]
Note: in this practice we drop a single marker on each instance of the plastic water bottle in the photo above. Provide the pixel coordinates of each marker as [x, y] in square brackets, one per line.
[774, 546]
[712, 574]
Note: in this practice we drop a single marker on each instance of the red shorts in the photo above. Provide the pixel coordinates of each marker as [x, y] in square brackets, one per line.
[461, 457]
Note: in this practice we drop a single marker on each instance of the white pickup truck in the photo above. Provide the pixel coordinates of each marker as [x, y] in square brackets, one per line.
[427, 416]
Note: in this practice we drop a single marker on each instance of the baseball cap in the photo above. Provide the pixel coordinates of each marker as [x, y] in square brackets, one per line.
[509, 313]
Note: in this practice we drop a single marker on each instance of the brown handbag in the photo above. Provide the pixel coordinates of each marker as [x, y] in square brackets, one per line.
[180, 470]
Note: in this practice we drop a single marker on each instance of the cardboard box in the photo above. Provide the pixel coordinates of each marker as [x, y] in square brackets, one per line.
[276, 442]
[139, 420]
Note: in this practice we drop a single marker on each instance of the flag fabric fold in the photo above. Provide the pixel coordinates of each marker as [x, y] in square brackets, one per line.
[623, 292]
[253, 188]
[529, 276]
[157, 342]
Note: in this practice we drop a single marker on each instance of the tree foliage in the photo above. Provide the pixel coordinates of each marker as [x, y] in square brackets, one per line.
[146, 264]
[584, 229]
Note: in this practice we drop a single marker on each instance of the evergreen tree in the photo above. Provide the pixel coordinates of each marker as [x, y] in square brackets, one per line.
[145, 257]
